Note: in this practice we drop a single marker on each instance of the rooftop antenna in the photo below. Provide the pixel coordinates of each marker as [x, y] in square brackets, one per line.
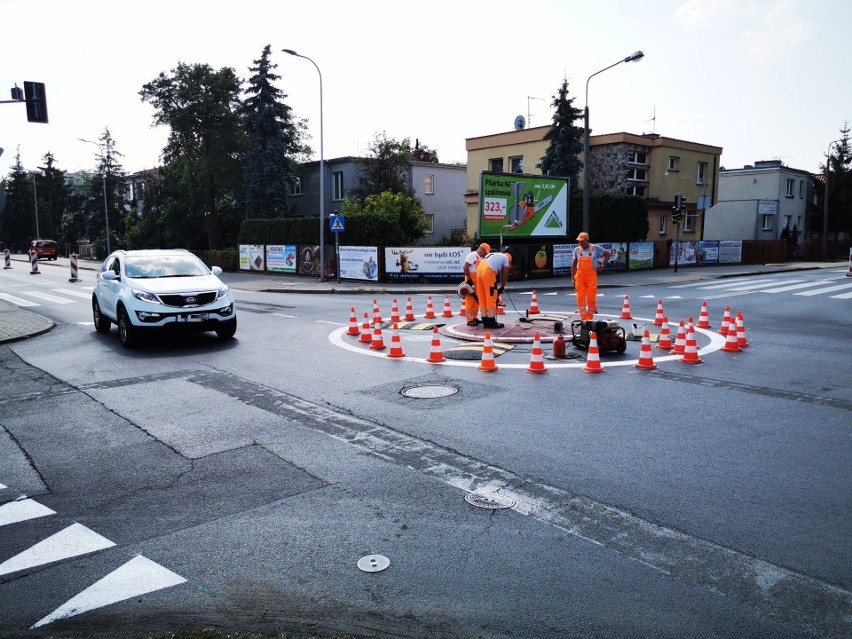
[529, 115]
[654, 120]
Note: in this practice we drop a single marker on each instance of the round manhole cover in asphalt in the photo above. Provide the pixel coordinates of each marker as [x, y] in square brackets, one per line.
[373, 563]
[429, 391]
[494, 502]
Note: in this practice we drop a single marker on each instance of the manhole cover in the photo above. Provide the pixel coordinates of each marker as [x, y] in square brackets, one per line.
[494, 502]
[373, 563]
[429, 391]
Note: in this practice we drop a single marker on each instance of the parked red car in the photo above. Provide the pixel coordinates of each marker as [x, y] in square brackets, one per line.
[45, 249]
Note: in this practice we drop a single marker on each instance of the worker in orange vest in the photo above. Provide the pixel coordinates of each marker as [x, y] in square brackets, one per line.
[584, 272]
[492, 275]
[471, 301]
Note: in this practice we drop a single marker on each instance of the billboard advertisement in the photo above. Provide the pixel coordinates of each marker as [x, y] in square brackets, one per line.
[515, 205]
[359, 262]
[433, 263]
[281, 258]
[251, 257]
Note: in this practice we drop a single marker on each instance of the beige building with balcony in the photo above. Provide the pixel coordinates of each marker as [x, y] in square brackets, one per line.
[650, 166]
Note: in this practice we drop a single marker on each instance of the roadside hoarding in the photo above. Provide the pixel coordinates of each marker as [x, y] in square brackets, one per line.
[641, 256]
[517, 205]
[418, 263]
[251, 257]
[281, 258]
[708, 252]
[359, 263]
[730, 251]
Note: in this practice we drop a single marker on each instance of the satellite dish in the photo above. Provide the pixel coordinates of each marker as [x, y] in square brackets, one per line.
[520, 123]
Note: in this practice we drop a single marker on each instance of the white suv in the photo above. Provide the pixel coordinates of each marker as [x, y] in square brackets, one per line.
[161, 289]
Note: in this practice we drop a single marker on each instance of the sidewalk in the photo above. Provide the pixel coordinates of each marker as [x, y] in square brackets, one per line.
[17, 323]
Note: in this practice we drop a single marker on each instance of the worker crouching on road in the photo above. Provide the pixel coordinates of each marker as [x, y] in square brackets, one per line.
[471, 301]
[584, 272]
[492, 275]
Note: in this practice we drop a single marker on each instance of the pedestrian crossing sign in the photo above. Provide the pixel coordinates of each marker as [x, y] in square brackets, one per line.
[336, 222]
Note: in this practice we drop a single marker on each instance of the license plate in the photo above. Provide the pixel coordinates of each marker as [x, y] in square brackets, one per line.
[194, 317]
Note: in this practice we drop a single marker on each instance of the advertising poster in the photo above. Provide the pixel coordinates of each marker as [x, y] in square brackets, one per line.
[433, 263]
[309, 260]
[617, 255]
[251, 257]
[359, 263]
[730, 251]
[281, 258]
[539, 260]
[562, 256]
[518, 205]
[641, 255]
[687, 253]
[708, 252]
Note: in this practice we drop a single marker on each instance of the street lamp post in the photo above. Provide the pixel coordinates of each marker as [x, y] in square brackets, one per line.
[587, 179]
[825, 199]
[106, 205]
[322, 169]
[35, 201]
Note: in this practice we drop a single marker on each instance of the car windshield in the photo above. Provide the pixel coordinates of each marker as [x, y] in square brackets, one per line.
[165, 266]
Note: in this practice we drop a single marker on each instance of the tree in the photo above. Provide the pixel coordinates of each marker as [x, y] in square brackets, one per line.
[423, 153]
[566, 140]
[386, 169]
[386, 219]
[274, 144]
[17, 222]
[839, 186]
[57, 203]
[109, 172]
[203, 155]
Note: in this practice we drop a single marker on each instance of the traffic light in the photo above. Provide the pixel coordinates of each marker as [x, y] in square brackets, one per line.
[36, 99]
[17, 93]
[677, 216]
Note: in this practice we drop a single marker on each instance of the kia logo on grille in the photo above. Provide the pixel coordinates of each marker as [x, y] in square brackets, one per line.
[190, 300]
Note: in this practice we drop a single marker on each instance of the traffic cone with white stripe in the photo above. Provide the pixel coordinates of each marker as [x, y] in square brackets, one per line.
[731, 345]
[680, 340]
[396, 344]
[430, 311]
[487, 363]
[646, 358]
[690, 355]
[448, 310]
[658, 318]
[534, 310]
[353, 323]
[500, 305]
[741, 336]
[409, 311]
[435, 354]
[462, 309]
[537, 356]
[365, 330]
[625, 309]
[665, 341]
[377, 315]
[378, 343]
[726, 321]
[395, 313]
[704, 317]
[7, 259]
[593, 360]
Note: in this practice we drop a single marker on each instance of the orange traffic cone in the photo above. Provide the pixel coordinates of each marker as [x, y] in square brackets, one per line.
[658, 318]
[409, 311]
[741, 337]
[726, 321]
[534, 305]
[353, 323]
[462, 309]
[646, 359]
[593, 361]
[378, 343]
[487, 363]
[435, 355]
[500, 309]
[448, 310]
[537, 356]
[690, 355]
[430, 312]
[377, 316]
[680, 340]
[396, 345]
[395, 313]
[365, 330]
[625, 310]
[704, 317]
[665, 341]
[731, 345]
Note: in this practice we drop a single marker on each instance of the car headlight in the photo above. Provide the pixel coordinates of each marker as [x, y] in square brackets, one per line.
[145, 296]
[221, 293]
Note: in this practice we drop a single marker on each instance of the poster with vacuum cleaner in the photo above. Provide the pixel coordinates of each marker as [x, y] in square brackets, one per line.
[359, 262]
[515, 205]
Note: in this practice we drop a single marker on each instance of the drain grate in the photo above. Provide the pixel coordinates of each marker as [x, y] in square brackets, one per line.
[429, 391]
[492, 501]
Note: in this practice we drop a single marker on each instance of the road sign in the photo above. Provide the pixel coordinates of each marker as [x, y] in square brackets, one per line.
[336, 222]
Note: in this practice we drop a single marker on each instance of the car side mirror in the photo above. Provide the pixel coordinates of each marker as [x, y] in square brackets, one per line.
[216, 270]
[109, 275]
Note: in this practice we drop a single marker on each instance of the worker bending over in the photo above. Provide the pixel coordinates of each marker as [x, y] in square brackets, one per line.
[492, 275]
[471, 301]
[584, 273]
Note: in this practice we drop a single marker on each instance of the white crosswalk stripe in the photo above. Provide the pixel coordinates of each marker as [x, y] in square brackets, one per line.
[828, 289]
[83, 293]
[792, 286]
[17, 301]
[47, 297]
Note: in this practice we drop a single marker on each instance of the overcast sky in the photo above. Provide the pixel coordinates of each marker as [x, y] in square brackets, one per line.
[764, 79]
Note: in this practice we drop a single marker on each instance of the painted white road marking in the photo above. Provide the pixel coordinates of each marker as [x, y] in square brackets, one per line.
[81, 294]
[137, 577]
[794, 287]
[47, 297]
[17, 301]
[828, 289]
[15, 511]
[73, 541]
[842, 296]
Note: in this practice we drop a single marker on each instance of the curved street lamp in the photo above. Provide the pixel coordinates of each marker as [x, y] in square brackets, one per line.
[106, 206]
[322, 169]
[587, 179]
[825, 199]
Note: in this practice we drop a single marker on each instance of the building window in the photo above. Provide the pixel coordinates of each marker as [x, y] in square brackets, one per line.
[496, 165]
[687, 221]
[673, 162]
[296, 186]
[637, 157]
[664, 220]
[699, 173]
[430, 222]
[634, 189]
[337, 180]
[637, 174]
[790, 182]
[429, 184]
[801, 189]
[516, 164]
[767, 221]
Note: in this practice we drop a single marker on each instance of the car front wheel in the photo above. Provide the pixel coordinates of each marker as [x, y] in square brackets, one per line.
[127, 333]
[228, 329]
[102, 324]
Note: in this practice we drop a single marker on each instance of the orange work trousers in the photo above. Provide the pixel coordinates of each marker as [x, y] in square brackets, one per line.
[586, 285]
[471, 303]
